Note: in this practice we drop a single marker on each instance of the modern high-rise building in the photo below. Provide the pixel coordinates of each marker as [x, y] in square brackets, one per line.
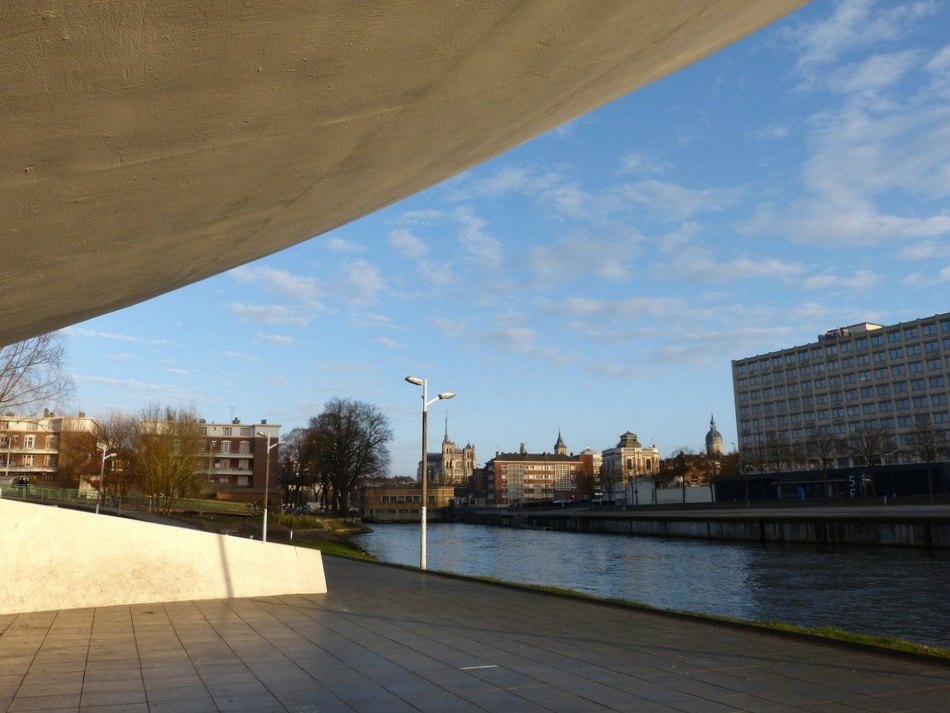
[892, 381]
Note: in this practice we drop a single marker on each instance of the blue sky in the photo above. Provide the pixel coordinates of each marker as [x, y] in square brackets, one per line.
[600, 278]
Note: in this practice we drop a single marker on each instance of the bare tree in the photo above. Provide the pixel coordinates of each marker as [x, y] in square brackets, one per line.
[168, 457]
[33, 372]
[295, 471]
[76, 458]
[928, 444]
[349, 442]
[870, 445]
[121, 434]
[822, 449]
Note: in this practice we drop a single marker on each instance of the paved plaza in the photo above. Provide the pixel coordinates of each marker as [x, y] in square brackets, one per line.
[389, 640]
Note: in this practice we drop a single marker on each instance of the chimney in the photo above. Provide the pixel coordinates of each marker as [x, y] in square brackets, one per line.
[236, 421]
[263, 421]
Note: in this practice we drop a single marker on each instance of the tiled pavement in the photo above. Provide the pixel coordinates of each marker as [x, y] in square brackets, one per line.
[386, 640]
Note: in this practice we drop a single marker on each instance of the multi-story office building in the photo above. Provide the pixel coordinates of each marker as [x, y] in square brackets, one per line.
[891, 380]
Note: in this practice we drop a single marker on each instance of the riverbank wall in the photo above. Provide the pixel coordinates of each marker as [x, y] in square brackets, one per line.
[840, 528]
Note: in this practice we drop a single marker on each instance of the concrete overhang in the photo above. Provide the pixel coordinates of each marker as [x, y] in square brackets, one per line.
[148, 144]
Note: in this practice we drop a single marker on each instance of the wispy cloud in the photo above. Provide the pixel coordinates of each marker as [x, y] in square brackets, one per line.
[390, 343]
[176, 371]
[859, 281]
[361, 283]
[607, 258]
[275, 338]
[266, 314]
[480, 248]
[83, 332]
[235, 355]
[335, 243]
[298, 287]
[408, 245]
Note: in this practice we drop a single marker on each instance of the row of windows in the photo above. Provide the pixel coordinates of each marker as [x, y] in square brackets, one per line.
[228, 431]
[932, 362]
[838, 394]
[900, 404]
[888, 422]
[806, 354]
[28, 441]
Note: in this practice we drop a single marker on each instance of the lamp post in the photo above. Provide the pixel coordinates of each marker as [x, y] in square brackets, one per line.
[104, 447]
[266, 477]
[424, 383]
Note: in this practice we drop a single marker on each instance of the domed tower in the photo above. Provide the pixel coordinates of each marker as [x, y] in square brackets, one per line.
[713, 439]
[559, 448]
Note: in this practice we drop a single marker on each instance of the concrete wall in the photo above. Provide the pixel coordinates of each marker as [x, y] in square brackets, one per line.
[51, 558]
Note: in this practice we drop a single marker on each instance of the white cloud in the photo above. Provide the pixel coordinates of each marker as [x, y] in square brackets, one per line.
[83, 332]
[276, 338]
[390, 343]
[580, 256]
[451, 327]
[408, 245]
[177, 371]
[860, 281]
[360, 283]
[124, 356]
[854, 24]
[919, 279]
[277, 380]
[876, 72]
[641, 164]
[236, 355]
[479, 247]
[772, 132]
[266, 314]
[336, 244]
[420, 217]
[299, 287]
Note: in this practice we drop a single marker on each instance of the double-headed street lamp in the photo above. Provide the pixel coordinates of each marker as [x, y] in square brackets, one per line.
[266, 477]
[424, 383]
[104, 447]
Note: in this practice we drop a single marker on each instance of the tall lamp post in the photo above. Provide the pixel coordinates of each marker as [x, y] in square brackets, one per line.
[266, 477]
[424, 383]
[104, 447]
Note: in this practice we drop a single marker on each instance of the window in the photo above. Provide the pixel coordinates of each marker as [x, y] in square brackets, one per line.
[884, 390]
[885, 407]
[900, 387]
[226, 430]
[850, 378]
[847, 363]
[911, 333]
[916, 384]
[913, 349]
[851, 394]
[243, 464]
[893, 337]
[225, 446]
[929, 329]
[867, 392]
[904, 421]
[902, 404]
[27, 459]
[897, 353]
[936, 382]
[247, 431]
[879, 357]
[933, 364]
[805, 370]
[854, 411]
[837, 412]
[869, 408]
[877, 340]
[898, 370]
[864, 359]
[833, 365]
[864, 375]
[846, 347]
[244, 447]
[789, 358]
[915, 367]
[941, 417]
[880, 372]
[945, 326]
[861, 343]
[938, 399]
[29, 442]
[933, 346]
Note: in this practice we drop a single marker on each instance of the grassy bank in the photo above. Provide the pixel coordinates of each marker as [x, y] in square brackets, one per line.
[327, 534]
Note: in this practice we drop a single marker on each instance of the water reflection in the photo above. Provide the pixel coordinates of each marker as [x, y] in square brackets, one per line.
[890, 591]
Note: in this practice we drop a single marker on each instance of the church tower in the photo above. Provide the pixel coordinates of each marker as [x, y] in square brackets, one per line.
[559, 448]
[713, 439]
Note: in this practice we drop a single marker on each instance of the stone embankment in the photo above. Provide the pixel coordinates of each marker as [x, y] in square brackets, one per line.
[921, 526]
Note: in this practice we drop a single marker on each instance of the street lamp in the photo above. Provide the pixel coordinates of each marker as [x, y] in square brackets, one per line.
[266, 477]
[424, 383]
[104, 447]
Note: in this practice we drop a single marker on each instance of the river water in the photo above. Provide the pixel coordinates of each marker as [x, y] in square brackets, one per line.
[898, 592]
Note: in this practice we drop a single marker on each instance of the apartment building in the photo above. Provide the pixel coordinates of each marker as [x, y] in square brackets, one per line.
[30, 446]
[890, 379]
[236, 454]
[523, 477]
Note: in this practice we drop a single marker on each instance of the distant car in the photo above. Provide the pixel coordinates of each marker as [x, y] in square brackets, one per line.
[559, 503]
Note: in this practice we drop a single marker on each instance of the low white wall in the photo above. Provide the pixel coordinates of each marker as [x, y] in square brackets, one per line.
[52, 558]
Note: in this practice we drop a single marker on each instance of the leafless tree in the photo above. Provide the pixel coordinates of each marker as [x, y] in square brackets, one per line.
[121, 434]
[168, 457]
[33, 372]
[295, 472]
[870, 445]
[348, 442]
[928, 443]
[76, 458]
[822, 449]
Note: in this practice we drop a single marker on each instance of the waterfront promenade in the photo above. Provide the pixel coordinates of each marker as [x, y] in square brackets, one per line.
[393, 640]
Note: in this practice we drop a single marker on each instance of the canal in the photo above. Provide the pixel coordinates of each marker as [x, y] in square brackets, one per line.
[897, 592]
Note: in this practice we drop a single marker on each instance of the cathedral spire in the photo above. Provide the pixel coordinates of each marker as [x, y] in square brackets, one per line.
[446, 438]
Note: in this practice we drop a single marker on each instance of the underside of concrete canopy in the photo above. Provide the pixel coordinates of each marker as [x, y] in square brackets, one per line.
[148, 144]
